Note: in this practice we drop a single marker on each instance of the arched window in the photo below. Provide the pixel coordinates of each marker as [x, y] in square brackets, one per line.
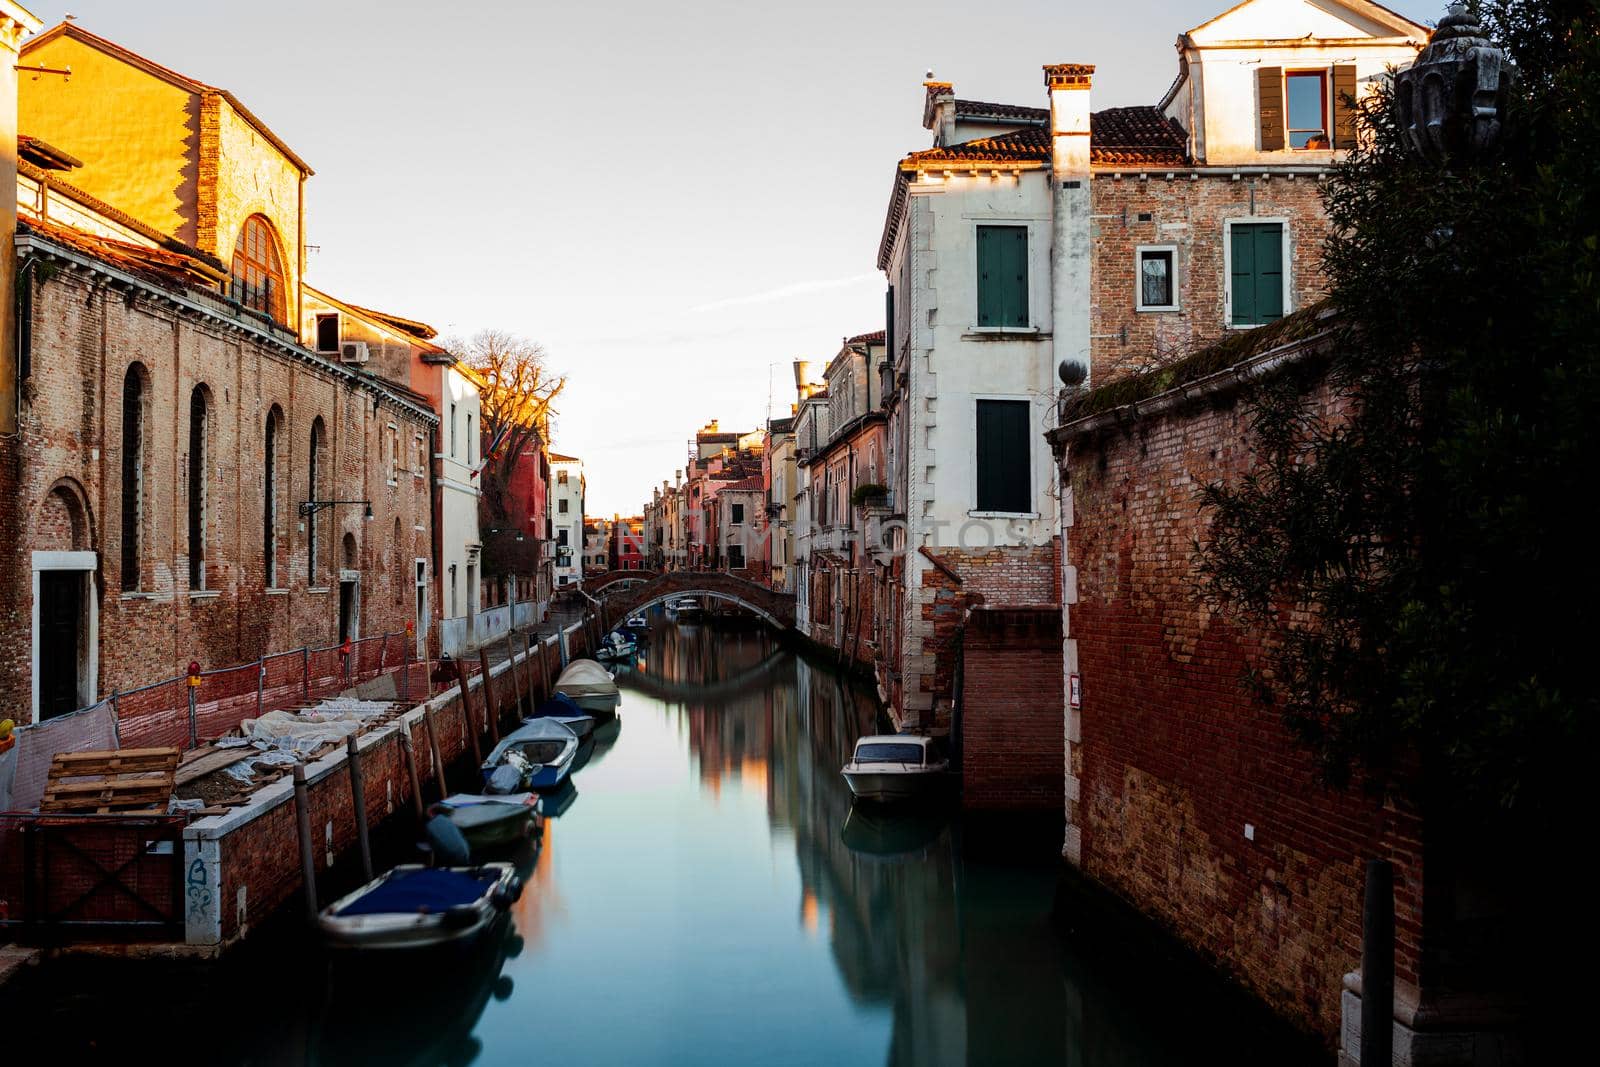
[269, 498]
[199, 422]
[135, 395]
[257, 270]
[314, 492]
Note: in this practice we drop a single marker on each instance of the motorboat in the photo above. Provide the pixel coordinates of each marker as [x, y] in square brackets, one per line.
[615, 646]
[889, 767]
[492, 821]
[413, 906]
[564, 710]
[591, 686]
[540, 751]
[685, 609]
[637, 622]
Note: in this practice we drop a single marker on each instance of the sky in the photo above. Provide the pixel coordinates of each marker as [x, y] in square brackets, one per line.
[676, 200]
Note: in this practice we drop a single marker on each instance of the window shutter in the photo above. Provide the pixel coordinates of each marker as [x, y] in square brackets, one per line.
[1269, 272]
[1344, 113]
[1017, 276]
[1269, 83]
[1003, 456]
[990, 311]
[1002, 276]
[1243, 278]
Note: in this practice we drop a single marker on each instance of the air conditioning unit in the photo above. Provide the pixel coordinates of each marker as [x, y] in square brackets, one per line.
[352, 352]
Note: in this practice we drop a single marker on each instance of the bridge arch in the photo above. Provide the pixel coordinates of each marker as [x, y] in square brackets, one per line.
[773, 607]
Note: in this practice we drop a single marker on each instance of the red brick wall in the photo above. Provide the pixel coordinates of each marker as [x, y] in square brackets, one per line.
[68, 455]
[1189, 214]
[1175, 758]
[1012, 731]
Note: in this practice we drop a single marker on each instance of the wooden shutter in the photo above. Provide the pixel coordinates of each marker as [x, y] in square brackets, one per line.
[1269, 86]
[1002, 276]
[1344, 112]
[1003, 456]
[1257, 273]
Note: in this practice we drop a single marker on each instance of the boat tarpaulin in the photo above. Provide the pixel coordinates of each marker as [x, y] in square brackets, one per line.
[427, 891]
[585, 678]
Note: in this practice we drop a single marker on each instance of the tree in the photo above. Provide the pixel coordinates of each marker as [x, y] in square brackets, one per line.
[1414, 547]
[515, 406]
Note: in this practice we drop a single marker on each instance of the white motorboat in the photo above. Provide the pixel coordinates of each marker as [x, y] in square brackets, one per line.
[591, 686]
[615, 646]
[637, 622]
[541, 750]
[413, 906]
[685, 609]
[889, 767]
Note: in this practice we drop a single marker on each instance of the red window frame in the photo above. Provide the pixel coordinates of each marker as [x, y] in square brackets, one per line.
[1325, 76]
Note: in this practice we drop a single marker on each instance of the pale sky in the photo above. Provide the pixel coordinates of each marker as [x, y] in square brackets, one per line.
[677, 200]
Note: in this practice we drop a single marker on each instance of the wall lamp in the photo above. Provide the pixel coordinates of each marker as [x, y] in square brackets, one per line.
[311, 507]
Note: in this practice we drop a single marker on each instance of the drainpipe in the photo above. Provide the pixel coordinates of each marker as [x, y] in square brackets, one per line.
[1070, 291]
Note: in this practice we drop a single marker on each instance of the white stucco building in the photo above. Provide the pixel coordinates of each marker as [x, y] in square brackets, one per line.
[566, 517]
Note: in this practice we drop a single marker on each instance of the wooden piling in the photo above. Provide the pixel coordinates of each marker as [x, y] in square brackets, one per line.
[544, 669]
[491, 706]
[516, 678]
[358, 799]
[308, 862]
[433, 749]
[466, 711]
[411, 770]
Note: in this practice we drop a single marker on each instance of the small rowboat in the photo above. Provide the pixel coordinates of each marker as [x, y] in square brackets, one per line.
[418, 907]
[591, 686]
[541, 750]
[493, 821]
[564, 710]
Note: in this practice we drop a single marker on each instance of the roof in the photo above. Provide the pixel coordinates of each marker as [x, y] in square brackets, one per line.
[556, 457]
[876, 337]
[45, 155]
[420, 330]
[983, 109]
[753, 483]
[167, 74]
[380, 319]
[160, 266]
[783, 425]
[1375, 12]
[1117, 135]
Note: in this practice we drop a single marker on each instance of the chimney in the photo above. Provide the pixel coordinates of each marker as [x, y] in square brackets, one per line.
[16, 22]
[1069, 184]
[939, 111]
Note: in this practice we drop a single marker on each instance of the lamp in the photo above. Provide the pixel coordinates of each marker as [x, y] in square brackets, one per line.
[311, 507]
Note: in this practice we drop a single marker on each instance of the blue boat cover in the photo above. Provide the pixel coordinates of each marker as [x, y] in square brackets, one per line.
[428, 890]
[560, 704]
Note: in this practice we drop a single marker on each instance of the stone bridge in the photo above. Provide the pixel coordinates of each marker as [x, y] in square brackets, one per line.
[607, 584]
[774, 607]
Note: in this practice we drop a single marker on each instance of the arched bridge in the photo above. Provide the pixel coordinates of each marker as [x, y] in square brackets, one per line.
[776, 608]
[603, 585]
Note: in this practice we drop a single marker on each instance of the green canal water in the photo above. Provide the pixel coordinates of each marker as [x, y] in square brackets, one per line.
[710, 896]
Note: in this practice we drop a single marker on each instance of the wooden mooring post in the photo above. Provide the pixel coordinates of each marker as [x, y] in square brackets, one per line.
[308, 862]
[466, 710]
[544, 669]
[358, 799]
[410, 754]
[433, 750]
[523, 705]
[491, 706]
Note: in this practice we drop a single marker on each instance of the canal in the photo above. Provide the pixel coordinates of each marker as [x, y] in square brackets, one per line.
[708, 896]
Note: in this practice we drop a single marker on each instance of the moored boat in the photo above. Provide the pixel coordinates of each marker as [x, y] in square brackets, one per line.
[540, 749]
[564, 710]
[615, 646]
[637, 622]
[413, 906]
[590, 685]
[891, 767]
[493, 821]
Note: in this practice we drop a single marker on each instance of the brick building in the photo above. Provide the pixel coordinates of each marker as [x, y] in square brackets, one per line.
[1102, 243]
[176, 443]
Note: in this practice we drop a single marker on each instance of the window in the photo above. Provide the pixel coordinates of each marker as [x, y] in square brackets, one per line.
[1003, 456]
[453, 612]
[328, 333]
[736, 557]
[1255, 272]
[422, 456]
[1158, 278]
[470, 437]
[197, 488]
[313, 490]
[257, 270]
[1306, 103]
[1307, 110]
[561, 477]
[738, 514]
[561, 505]
[269, 501]
[133, 404]
[392, 448]
[452, 430]
[1002, 276]
[561, 534]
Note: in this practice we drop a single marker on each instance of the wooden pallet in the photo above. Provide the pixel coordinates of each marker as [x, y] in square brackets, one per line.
[125, 781]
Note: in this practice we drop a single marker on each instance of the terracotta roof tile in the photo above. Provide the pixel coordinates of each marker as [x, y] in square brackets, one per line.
[876, 337]
[1118, 135]
[170, 270]
[983, 109]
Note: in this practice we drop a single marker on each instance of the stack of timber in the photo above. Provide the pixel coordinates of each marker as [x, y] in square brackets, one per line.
[123, 781]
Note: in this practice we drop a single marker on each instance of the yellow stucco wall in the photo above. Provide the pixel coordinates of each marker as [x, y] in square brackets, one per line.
[138, 135]
[253, 177]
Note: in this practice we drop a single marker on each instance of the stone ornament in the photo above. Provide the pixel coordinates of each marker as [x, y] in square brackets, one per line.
[1451, 101]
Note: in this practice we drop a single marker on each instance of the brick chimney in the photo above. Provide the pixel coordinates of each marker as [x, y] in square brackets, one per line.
[939, 111]
[16, 22]
[1070, 203]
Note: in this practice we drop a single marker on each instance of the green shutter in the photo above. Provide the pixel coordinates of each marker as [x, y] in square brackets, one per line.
[1002, 276]
[1003, 456]
[1257, 273]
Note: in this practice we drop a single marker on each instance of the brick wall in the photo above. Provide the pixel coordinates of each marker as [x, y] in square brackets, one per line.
[1012, 741]
[67, 462]
[1191, 215]
[1174, 760]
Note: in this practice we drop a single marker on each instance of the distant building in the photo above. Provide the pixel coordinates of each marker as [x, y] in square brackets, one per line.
[566, 518]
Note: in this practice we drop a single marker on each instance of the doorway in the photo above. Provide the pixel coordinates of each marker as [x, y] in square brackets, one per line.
[65, 632]
[422, 608]
[349, 606]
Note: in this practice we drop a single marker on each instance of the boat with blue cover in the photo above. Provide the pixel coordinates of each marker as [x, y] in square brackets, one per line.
[564, 710]
[413, 906]
[493, 821]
